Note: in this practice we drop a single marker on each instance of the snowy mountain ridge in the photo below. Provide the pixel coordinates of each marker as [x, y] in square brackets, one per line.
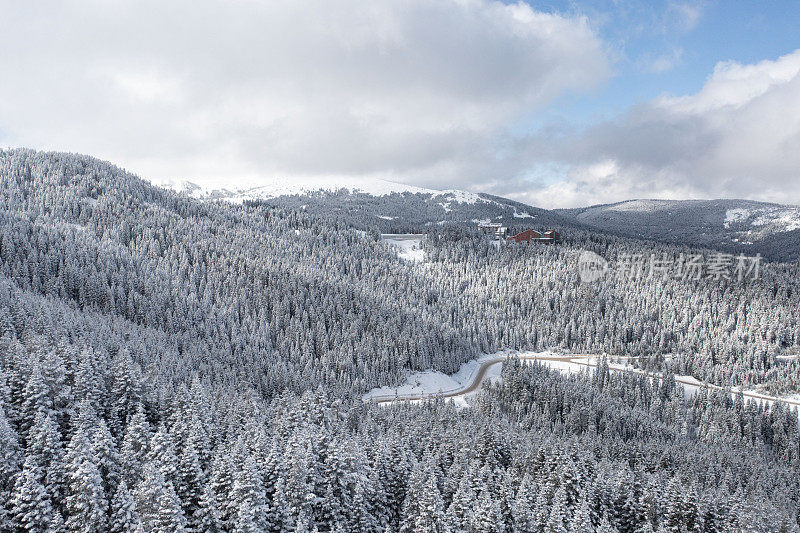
[741, 226]
[386, 206]
[738, 225]
[275, 188]
[738, 214]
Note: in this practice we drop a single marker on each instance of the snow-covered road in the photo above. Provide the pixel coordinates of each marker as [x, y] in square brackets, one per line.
[471, 376]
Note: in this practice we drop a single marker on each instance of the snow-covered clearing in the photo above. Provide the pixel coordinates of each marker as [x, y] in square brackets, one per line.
[786, 219]
[778, 218]
[733, 216]
[461, 197]
[468, 380]
[408, 246]
[430, 383]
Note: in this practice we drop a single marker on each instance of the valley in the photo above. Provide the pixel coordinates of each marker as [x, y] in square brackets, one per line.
[399, 266]
[203, 358]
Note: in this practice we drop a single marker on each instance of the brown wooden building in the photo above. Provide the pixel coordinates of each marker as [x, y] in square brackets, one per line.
[526, 236]
[550, 236]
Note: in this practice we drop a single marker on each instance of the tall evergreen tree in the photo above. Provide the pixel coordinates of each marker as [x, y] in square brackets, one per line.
[86, 502]
[31, 505]
[423, 509]
[124, 516]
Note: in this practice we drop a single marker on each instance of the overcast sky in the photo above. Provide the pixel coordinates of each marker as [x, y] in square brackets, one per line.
[554, 103]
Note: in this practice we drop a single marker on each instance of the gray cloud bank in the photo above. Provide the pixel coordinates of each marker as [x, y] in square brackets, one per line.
[415, 90]
[419, 91]
[739, 136]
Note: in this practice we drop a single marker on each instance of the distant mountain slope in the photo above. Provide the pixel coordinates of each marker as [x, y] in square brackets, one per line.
[735, 225]
[274, 188]
[389, 207]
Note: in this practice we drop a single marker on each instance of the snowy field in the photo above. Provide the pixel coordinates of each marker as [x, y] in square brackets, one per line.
[408, 246]
[432, 383]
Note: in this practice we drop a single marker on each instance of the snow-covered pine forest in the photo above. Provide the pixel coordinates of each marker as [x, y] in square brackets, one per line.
[173, 365]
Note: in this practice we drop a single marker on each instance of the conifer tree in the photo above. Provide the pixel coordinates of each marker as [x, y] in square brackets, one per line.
[249, 499]
[11, 458]
[124, 516]
[486, 514]
[459, 512]
[31, 505]
[207, 517]
[157, 503]
[86, 504]
[135, 446]
[44, 444]
[422, 509]
[109, 458]
[190, 479]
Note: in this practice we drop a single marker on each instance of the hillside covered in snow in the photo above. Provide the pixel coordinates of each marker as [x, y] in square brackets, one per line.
[736, 226]
[386, 207]
[741, 226]
[168, 364]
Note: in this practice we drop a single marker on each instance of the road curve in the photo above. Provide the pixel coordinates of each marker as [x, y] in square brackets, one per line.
[478, 379]
[577, 359]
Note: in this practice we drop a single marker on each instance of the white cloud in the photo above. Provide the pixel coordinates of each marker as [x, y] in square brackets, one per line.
[149, 86]
[733, 84]
[418, 90]
[666, 61]
[739, 136]
[684, 15]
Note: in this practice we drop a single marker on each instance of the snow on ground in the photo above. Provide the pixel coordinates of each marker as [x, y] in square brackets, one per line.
[690, 385]
[408, 246]
[462, 197]
[266, 188]
[787, 219]
[733, 216]
[522, 215]
[643, 206]
[776, 218]
[563, 366]
[431, 382]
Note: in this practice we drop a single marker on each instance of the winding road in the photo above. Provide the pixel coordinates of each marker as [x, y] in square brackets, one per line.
[576, 359]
